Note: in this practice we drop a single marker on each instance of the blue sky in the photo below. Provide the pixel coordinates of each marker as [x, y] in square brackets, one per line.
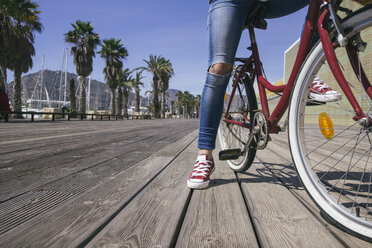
[172, 28]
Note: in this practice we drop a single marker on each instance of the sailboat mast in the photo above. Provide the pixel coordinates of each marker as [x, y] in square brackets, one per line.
[64, 98]
[60, 79]
[42, 81]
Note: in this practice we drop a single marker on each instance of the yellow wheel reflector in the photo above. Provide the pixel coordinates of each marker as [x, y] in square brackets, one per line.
[224, 98]
[326, 126]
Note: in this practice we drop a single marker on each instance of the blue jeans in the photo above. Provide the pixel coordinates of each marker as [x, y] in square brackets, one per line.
[225, 25]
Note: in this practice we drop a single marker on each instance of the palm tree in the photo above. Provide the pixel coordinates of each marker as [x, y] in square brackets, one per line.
[187, 101]
[197, 102]
[84, 42]
[125, 81]
[191, 104]
[136, 85]
[179, 103]
[156, 65]
[18, 22]
[3, 79]
[114, 53]
[116, 109]
[72, 96]
[7, 35]
[164, 83]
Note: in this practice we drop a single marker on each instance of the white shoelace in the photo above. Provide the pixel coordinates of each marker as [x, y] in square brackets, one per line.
[319, 84]
[201, 168]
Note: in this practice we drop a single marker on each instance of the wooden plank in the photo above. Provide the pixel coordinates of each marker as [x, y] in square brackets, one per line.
[23, 149]
[276, 157]
[25, 162]
[56, 192]
[23, 131]
[74, 178]
[73, 222]
[73, 149]
[279, 218]
[54, 140]
[33, 136]
[152, 219]
[217, 216]
[33, 174]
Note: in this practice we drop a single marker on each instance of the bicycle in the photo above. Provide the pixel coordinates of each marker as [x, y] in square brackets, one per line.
[330, 141]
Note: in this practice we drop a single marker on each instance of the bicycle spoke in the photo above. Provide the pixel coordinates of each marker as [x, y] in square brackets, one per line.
[344, 145]
[341, 159]
[337, 107]
[344, 176]
[369, 191]
[360, 181]
[321, 138]
[329, 140]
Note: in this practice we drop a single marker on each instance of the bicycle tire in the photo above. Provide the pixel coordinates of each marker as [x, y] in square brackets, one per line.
[335, 169]
[233, 136]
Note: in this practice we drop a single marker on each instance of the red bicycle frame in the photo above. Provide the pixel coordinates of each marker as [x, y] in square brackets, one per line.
[317, 19]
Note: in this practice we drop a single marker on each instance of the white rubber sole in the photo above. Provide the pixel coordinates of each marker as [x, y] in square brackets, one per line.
[325, 98]
[197, 185]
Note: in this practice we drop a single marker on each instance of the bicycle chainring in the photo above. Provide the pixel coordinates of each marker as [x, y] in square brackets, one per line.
[260, 128]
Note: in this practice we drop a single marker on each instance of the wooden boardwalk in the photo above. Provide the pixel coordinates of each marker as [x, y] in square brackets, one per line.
[123, 184]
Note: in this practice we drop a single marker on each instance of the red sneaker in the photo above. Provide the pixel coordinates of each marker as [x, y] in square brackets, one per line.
[200, 176]
[321, 92]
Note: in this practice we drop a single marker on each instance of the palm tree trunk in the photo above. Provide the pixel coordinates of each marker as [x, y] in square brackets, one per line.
[72, 96]
[17, 93]
[126, 98]
[83, 95]
[137, 101]
[112, 106]
[3, 79]
[119, 101]
[163, 104]
[155, 100]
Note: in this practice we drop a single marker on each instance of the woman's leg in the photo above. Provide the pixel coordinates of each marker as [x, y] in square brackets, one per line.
[225, 23]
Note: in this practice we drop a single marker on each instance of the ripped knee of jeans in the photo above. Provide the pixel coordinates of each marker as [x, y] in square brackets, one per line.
[217, 81]
[220, 68]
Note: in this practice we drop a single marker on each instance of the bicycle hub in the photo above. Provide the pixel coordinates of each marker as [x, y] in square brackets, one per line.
[365, 121]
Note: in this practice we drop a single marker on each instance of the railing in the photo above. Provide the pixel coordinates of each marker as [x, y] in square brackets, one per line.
[80, 116]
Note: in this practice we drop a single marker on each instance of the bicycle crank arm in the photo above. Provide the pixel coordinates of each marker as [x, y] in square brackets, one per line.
[250, 142]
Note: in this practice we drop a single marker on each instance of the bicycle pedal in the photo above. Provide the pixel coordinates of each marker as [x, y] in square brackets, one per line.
[230, 154]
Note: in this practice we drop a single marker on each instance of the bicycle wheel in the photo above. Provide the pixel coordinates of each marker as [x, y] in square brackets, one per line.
[232, 136]
[331, 151]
